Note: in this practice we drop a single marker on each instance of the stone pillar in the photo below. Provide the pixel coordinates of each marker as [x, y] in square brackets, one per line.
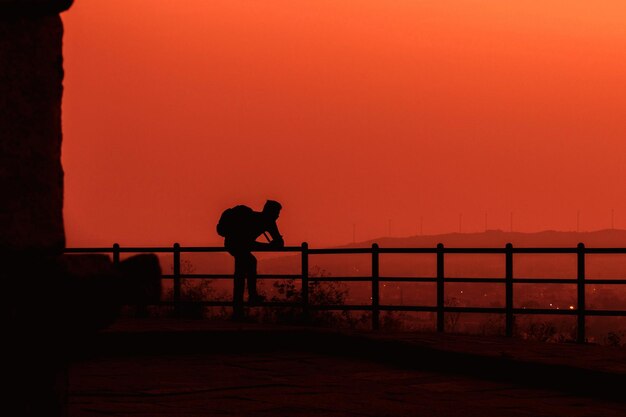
[31, 206]
[31, 88]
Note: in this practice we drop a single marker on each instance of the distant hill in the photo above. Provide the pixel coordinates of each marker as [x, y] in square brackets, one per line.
[499, 238]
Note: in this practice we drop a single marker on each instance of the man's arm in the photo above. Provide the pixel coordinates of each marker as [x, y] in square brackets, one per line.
[277, 239]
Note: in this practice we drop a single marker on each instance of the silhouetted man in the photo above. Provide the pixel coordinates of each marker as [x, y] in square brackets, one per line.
[241, 226]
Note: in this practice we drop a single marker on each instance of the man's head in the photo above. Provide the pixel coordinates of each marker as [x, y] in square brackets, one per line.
[272, 209]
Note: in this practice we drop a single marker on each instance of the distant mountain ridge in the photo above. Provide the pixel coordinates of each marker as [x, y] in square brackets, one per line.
[499, 238]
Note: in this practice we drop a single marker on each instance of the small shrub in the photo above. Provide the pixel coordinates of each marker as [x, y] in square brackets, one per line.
[614, 339]
[192, 291]
[320, 293]
[452, 319]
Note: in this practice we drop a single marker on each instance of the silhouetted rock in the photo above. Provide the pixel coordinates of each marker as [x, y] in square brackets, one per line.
[97, 290]
[141, 275]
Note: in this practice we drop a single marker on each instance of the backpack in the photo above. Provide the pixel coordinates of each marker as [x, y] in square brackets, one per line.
[231, 218]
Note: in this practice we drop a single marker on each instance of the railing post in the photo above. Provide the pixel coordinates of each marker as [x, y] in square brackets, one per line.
[177, 284]
[580, 329]
[440, 289]
[305, 281]
[509, 290]
[375, 288]
[116, 255]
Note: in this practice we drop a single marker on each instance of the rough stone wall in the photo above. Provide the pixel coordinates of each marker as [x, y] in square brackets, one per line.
[31, 176]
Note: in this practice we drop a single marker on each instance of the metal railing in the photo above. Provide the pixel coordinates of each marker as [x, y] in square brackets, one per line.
[375, 307]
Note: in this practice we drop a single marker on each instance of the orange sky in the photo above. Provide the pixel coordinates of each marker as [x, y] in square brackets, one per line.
[346, 112]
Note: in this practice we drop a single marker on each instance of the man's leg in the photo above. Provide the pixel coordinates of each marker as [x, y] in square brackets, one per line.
[239, 285]
[251, 264]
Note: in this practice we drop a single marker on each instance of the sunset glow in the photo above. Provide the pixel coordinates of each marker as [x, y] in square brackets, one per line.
[373, 117]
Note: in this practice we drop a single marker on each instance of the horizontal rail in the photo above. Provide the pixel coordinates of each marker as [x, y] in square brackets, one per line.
[599, 281]
[169, 249]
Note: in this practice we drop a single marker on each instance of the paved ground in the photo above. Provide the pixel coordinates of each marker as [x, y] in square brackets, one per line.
[221, 377]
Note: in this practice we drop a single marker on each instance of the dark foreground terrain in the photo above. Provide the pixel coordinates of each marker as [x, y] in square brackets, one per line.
[203, 369]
